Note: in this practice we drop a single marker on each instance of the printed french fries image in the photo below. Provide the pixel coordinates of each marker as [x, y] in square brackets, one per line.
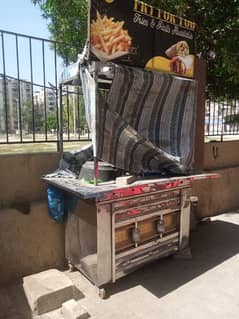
[109, 39]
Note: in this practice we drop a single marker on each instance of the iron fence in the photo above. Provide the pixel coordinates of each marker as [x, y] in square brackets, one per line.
[30, 70]
[222, 118]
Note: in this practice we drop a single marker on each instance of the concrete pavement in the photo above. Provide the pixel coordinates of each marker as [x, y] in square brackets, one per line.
[205, 287]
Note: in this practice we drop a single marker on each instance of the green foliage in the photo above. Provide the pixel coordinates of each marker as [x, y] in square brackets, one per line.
[67, 22]
[27, 118]
[217, 40]
[74, 118]
[232, 119]
[52, 122]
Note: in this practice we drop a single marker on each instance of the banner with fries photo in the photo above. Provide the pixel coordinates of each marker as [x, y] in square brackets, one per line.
[131, 32]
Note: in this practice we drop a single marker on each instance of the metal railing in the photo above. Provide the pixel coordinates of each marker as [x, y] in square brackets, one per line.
[29, 96]
[222, 118]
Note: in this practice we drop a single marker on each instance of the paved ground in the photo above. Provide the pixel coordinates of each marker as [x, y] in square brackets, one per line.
[205, 287]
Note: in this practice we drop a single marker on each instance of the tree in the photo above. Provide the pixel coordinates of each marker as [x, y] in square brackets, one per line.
[52, 122]
[27, 118]
[217, 41]
[74, 119]
[67, 22]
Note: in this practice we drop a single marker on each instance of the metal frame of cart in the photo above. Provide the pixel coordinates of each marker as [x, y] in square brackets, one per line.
[91, 230]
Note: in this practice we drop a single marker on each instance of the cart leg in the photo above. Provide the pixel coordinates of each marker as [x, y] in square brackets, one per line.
[71, 267]
[101, 292]
[183, 254]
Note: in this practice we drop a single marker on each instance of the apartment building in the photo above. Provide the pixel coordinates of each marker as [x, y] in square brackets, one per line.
[13, 95]
[18, 96]
[45, 98]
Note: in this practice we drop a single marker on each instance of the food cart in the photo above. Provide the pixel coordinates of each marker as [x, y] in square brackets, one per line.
[138, 80]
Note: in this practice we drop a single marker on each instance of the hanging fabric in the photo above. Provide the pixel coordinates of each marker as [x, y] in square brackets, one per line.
[147, 122]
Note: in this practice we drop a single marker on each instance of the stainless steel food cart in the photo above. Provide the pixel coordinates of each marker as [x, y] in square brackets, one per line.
[115, 230]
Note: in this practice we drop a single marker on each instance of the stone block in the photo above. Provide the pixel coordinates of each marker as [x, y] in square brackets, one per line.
[48, 290]
[72, 309]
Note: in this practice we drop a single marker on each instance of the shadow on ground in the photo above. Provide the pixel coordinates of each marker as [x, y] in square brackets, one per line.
[13, 303]
[211, 244]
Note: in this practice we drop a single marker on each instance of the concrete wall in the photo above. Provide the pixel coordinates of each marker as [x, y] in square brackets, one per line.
[221, 155]
[29, 243]
[33, 242]
[20, 177]
[220, 195]
[29, 240]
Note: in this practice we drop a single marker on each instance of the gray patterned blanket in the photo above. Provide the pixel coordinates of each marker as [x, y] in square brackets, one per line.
[147, 122]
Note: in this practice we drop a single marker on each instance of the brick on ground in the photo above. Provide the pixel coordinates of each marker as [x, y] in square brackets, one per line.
[48, 290]
[72, 309]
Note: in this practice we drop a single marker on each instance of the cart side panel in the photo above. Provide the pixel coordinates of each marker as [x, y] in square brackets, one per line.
[104, 244]
[81, 229]
[184, 218]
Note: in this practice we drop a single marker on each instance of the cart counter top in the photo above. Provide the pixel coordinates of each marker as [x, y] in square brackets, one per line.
[109, 190]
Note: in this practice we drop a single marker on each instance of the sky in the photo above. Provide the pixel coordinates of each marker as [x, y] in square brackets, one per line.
[21, 16]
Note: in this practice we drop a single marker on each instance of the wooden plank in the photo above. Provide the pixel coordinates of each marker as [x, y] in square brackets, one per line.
[125, 180]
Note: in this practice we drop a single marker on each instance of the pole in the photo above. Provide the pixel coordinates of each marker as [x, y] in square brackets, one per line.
[96, 165]
[60, 125]
[74, 113]
[200, 76]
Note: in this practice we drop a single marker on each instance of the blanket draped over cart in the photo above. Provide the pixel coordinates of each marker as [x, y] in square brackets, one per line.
[146, 122]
